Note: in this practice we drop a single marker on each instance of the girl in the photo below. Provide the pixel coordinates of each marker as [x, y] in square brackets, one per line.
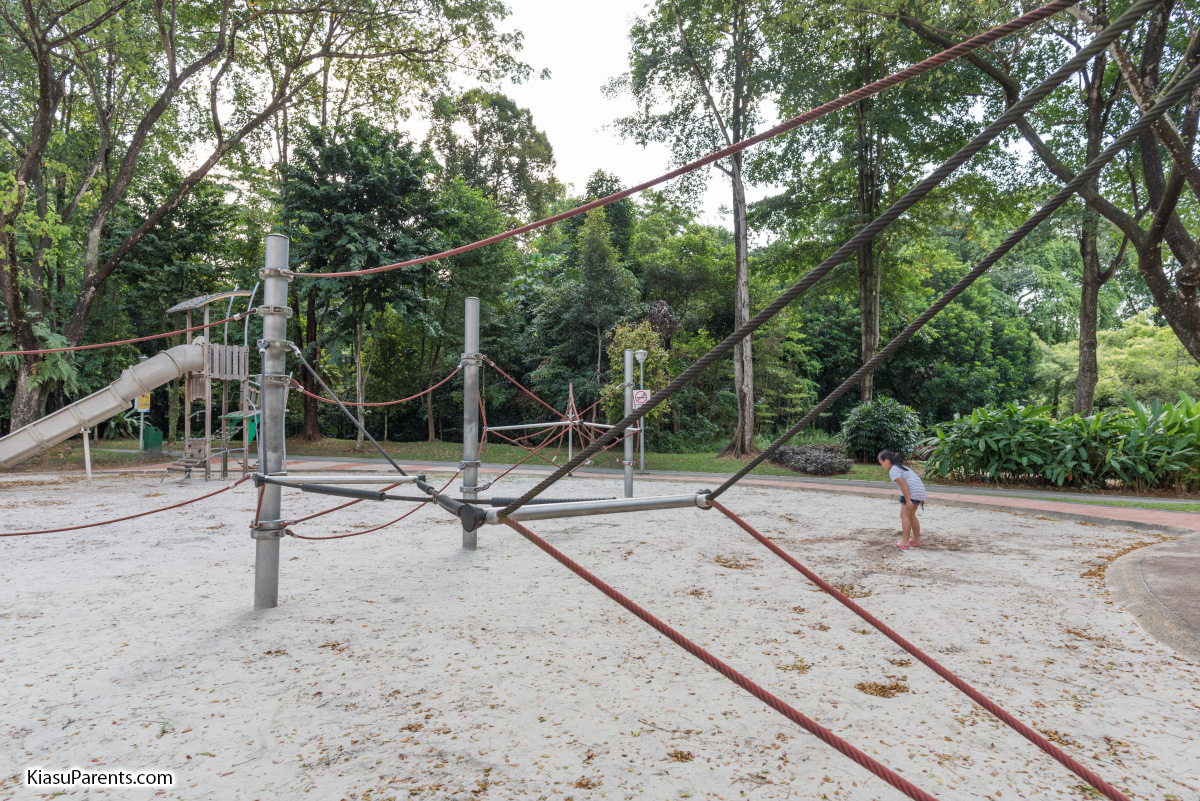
[912, 494]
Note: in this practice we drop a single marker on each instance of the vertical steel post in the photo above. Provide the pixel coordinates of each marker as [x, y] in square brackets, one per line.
[470, 461]
[207, 399]
[642, 422]
[273, 347]
[87, 454]
[628, 408]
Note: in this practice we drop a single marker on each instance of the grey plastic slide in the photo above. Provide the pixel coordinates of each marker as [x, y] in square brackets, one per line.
[99, 406]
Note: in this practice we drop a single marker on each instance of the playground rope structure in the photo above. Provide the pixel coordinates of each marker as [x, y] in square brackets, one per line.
[296, 386]
[621, 430]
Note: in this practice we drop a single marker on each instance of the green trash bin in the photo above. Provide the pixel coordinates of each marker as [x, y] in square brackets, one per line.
[152, 438]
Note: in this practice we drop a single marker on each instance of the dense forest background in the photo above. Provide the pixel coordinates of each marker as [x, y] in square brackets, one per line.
[147, 149]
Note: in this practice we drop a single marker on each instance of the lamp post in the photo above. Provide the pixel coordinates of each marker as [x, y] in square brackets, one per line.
[641, 357]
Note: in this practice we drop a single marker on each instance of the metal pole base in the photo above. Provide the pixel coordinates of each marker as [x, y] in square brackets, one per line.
[266, 574]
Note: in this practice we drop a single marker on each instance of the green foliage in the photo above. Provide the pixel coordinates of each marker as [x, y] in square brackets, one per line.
[636, 337]
[882, 424]
[1140, 447]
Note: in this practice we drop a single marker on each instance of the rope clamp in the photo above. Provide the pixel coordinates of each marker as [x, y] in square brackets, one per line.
[274, 344]
[484, 487]
[277, 378]
[286, 311]
[471, 359]
[465, 464]
[269, 530]
[276, 272]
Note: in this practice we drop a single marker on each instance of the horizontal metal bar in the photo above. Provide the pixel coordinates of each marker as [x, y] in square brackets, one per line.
[526, 425]
[551, 511]
[325, 478]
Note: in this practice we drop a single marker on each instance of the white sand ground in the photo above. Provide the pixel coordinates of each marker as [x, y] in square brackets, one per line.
[398, 666]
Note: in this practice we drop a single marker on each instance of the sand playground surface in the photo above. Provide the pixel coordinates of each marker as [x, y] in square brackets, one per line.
[398, 666]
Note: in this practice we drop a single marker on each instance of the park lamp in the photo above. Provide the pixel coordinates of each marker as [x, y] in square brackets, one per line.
[641, 355]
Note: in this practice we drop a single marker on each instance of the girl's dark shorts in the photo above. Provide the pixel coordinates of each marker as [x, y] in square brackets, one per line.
[916, 501]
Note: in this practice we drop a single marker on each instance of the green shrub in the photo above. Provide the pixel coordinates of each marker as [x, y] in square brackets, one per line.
[820, 459]
[1139, 447]
[882, 424]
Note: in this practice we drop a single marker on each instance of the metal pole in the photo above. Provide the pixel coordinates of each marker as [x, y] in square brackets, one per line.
[470, 462]
[628, 409]
[207, 399]
[273, 347]
[642, 422]
[87, 455]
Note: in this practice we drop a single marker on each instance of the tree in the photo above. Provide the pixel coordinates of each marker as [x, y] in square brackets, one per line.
[579, 307]
[1126, 193]
[699, 70]
[357, 198]
[503, 154]
[98, 92]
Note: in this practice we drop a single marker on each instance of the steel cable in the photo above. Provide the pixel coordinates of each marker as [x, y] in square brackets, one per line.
[73, 348]
[866, 234]
[303, 391]
[948, 55]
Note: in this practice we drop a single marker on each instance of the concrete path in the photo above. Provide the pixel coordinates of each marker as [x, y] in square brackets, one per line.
[1158, 585]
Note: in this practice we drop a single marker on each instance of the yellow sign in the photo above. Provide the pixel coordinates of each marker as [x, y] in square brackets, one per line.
[142, 403]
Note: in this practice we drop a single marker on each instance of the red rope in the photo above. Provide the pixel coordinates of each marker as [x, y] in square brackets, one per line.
[341, 506]
[234, 318]
[369, 530]
[903, 75]
[531, 455]
[726, 670]
[303, 391]
[523, 389]
[1026, 732]
[543, 458]
[127, 517]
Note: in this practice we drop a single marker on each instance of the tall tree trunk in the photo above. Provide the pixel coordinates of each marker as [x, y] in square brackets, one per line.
[868, 155]
[742, 444]
[1089, 305]
[437, 351]
[27, 398]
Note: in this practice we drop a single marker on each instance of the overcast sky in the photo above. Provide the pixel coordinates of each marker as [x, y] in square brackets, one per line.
[584, 45]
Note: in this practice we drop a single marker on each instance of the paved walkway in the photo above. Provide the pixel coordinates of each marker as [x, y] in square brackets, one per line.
[1156, 584]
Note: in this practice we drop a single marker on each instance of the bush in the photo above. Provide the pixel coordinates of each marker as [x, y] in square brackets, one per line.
[1139, 447]
[882, 424]
[821, 459]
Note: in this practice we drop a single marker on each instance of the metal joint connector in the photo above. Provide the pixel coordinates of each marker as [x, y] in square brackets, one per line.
[280, 378]
[274, 344]
[286, 311]
[469, 359]
[465, 464]
[484, 487]
[276, 272]
[270, 530]
[629, 462]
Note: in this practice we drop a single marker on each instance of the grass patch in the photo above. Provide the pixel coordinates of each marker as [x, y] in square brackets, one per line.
[68, 455]
[1158, 505]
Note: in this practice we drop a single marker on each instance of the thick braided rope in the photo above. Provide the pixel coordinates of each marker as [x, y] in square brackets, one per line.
[869, 232]
[1029, 734]
[974, 43]
[1177, 93]
[73, 348]
[771, 700]
[303, 391]
[123, 519]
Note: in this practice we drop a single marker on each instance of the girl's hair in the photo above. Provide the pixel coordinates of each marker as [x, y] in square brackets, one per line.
[893, 457]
